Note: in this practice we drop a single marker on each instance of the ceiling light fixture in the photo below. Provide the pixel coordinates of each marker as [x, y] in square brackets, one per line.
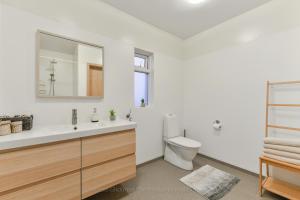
[195, 1]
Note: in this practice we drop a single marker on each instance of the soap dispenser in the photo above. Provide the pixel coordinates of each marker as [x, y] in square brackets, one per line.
[95, 117]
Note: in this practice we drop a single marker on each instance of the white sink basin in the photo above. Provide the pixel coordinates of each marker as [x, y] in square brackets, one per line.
[71, 128]
[42, 135]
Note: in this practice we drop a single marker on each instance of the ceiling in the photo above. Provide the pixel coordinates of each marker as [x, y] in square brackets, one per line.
[58, 44]
[181, 18]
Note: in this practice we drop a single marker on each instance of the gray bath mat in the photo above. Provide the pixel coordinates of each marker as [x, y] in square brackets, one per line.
[210, 182]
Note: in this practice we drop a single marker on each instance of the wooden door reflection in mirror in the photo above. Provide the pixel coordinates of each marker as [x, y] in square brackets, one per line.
[95, 80]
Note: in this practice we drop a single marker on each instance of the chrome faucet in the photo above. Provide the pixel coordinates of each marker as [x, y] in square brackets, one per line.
[74, 117]
[129, 115]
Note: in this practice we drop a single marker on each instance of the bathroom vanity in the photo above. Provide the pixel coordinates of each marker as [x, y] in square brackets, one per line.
[60, 163]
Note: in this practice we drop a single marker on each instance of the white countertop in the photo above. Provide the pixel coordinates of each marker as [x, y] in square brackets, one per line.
[43, 135]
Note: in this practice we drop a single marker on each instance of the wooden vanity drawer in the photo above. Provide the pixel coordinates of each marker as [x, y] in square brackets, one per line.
[101, 177]
[103, 148]
[63, 188]
[26, 166]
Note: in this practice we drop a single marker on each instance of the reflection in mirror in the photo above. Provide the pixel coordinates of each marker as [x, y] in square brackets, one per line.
[69, 68]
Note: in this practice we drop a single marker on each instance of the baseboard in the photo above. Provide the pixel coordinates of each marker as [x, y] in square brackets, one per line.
[205, 156]
[150, 161]
[229, 165]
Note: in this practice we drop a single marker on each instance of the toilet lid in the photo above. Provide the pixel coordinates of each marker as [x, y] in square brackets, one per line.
[185, 142]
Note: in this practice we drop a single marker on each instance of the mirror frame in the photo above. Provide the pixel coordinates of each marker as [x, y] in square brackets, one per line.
[37, 70]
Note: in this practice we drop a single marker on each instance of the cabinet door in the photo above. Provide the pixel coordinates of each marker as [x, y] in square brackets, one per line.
[98, 178]
[26, 166]
[63, 188]
[103, 148]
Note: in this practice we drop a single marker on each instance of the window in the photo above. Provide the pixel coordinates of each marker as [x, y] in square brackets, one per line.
[142, 78]
[141, 61]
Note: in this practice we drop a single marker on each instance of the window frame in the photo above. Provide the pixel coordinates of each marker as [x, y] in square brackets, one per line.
[147, 69]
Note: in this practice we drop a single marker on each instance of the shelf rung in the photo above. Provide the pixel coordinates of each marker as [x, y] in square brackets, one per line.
[281, 164]
[284, 105]
[283, 127]
[282, 188]
[284, 82]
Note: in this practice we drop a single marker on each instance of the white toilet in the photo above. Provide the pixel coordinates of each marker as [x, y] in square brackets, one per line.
[180, 151]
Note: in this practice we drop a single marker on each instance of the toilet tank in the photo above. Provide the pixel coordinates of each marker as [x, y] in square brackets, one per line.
[171, 126]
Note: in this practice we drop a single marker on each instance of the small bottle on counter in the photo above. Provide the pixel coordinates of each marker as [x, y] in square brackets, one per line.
[95, 117]
[5, 128]
[16, 127]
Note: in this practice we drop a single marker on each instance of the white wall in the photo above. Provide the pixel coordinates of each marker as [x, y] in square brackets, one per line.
[1, 59]
[18, 29]
[98, 17]
[225, 75]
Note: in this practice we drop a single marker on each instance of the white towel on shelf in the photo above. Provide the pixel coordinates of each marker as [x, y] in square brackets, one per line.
[294, 142]
[282, 153]
[283, 159]
[283, 148]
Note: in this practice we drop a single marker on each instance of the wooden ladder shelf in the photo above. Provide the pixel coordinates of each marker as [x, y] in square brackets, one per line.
[276, 186]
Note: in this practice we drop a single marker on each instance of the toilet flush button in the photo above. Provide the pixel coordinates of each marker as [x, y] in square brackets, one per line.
[217, 125]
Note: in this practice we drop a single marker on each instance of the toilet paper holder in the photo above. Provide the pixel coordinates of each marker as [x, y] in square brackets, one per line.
[217, 125]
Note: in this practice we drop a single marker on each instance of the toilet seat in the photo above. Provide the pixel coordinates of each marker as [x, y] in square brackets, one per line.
[184, 142]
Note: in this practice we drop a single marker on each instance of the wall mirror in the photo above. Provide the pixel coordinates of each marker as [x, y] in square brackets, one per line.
[68, 67]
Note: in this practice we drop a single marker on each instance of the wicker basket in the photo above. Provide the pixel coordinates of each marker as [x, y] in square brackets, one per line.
[27, 121]
[5, 128]
[16, 127]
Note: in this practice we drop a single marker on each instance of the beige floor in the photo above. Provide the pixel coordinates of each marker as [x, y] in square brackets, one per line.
[159, 180]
